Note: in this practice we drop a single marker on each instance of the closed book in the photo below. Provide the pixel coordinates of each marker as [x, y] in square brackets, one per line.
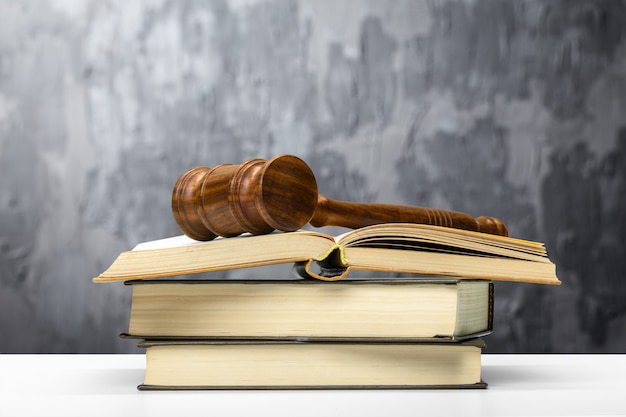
[194, 364]
[395, 309]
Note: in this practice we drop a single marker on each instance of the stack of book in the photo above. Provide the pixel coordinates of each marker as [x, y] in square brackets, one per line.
[323, 329]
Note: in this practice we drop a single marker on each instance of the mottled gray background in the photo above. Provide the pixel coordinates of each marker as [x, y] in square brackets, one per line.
[514, 109]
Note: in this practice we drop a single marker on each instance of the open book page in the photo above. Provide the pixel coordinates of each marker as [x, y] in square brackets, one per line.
[438, 239]
[184, 240]
[170, 242]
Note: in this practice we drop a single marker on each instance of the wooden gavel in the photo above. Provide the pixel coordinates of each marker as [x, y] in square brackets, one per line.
[260, 196]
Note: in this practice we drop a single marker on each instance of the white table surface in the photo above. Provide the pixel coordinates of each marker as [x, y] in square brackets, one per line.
[519, 385]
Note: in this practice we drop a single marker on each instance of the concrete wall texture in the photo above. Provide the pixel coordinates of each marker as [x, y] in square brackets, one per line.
[514, 109]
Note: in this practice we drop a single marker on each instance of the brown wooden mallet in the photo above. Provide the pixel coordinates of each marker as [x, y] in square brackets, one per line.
[260, 196]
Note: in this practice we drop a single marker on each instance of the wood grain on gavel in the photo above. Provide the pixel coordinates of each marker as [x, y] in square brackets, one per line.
[260, 196]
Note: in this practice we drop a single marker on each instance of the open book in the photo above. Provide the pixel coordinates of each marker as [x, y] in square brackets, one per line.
[390, 247]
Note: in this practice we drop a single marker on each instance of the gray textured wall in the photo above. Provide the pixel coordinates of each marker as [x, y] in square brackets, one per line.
[514, 109]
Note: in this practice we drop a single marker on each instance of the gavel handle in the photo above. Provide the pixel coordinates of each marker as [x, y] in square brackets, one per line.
[352, 215]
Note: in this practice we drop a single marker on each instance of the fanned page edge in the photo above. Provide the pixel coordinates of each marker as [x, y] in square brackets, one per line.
[435, 234]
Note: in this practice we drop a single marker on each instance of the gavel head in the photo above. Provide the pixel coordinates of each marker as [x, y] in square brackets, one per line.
[491, 225]
[257, 196]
